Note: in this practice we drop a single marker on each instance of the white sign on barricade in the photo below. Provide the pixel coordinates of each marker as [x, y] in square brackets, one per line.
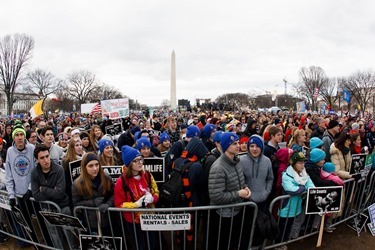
[165, 222]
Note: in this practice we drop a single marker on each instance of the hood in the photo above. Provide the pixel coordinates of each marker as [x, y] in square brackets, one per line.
[282, 155]
[261, 140]
[195, 147]
[333, 150]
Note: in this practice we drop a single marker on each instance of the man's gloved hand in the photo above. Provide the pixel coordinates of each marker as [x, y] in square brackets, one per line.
[103, 208]
[98, 201]
[27, 195]
[141, 201]
[12, 203]
[149, 199]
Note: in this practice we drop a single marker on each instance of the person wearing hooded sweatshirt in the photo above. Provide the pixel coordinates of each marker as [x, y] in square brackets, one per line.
[207, 135]
[18, 166]
[257, 171]
[193, 179]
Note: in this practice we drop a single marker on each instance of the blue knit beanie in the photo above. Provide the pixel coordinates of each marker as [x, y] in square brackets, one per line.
[317, 155]
[164, 137]
[129, 154]
[143, 142]
[227, 138]
[193, 131]
[217, 136]
[134, 130]
[329, 167]
[103, 143]
[207, 130]
[255, 139]
[315, 142]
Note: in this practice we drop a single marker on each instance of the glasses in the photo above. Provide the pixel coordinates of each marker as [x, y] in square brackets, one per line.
[138, 160]
[34, 136]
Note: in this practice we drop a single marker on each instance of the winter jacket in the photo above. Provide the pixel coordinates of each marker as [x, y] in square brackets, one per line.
[314, 172]
[342, 162]
[331, 177]
[18, 170]
[293, 206]
[51, 188]
[258, 175]
[226, 178]
[138, 187]
[328, 139]
[87, 201]
[282, 156]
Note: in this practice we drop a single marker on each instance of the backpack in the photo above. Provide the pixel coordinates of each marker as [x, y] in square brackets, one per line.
[169, 158]
[266, 225]
[171, 192]
[125, 185]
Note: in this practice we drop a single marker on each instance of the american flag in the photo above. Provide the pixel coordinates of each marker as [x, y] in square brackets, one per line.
[96, 109]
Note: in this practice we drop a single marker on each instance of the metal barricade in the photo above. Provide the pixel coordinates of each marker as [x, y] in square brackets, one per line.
[26, 224]
[169, 238]
[357, 197]
[206, 223]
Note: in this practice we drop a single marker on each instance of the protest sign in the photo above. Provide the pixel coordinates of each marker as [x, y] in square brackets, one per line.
[58, 219]
[115, 108]
[155, 165]
[324, 199]
[114, 129]
[97, 242]
[113, 171]
[75, 169]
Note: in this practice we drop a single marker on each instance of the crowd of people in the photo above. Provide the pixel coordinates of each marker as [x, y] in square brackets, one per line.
[231, 157]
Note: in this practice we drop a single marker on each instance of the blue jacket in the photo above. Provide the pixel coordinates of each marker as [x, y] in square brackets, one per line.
[293, 206]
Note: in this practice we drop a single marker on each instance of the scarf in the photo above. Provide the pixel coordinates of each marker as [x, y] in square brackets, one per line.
[301, 178]
[345, 150]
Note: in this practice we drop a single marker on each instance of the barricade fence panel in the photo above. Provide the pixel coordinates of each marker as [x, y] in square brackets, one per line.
[173, 228]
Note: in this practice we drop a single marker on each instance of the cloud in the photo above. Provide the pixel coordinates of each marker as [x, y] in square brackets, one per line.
[221, 46]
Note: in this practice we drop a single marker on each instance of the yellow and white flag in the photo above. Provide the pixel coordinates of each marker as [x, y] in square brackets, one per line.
[36, 110]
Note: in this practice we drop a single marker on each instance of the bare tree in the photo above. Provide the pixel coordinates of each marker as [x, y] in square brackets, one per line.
[42, 83]
[234, 101]
[311, 78]
[105, 92]
[165, 104]
[328, 91]
[15, 52]
[361, 86]
[81, 85]
[63, 101]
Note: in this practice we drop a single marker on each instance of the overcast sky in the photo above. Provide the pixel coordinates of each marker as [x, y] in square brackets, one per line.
[221, 46]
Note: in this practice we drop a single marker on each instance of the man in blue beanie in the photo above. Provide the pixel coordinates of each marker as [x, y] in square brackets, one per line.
[179, 146]
[226, 185]
[258, 171]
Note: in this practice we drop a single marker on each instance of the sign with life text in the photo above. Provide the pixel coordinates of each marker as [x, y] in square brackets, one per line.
[358, 222]
[115, 108]
[75, 169]
[97, 242]
[155, 165]
[321, 200]
[371, 226]
[114, 129]
[113, 171]
[371, 212]
[4, 201]
[165, 222]
[358, 163]
[58, 219]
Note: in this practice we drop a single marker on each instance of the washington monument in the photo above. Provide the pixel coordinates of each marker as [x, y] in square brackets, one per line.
[173, 82]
